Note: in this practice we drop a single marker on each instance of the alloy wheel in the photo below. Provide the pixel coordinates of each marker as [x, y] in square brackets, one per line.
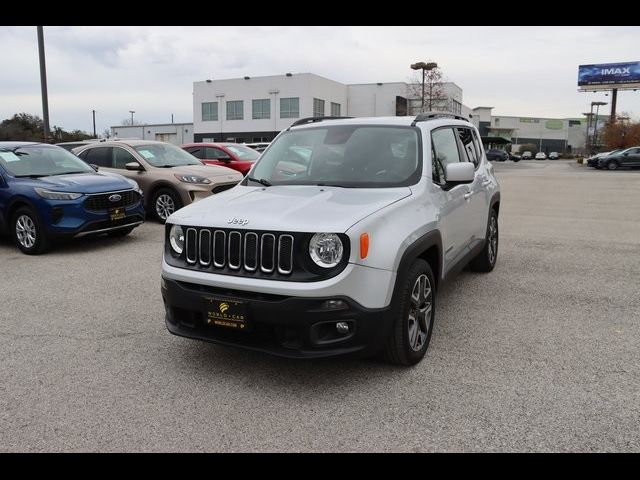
[493, 239]
[165, 206]
[26, 231]
[420, 312]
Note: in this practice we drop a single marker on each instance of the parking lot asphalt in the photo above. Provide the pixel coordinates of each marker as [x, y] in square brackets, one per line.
[539, 355]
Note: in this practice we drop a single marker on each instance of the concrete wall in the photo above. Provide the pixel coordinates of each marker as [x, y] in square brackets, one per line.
[374, 100]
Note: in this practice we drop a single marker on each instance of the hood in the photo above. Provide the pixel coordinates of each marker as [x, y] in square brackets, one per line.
[293, 208]
[208, 171]
[84, 182]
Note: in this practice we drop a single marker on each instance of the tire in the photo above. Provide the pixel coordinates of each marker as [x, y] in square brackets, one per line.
[612, 165]
[165, 202]
[28, 233]
[406, 345]
[123, 232]
[486, 259]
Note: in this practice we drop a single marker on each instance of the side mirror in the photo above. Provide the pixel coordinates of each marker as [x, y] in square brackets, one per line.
[626, 153]
[459, 172]
[134, 166]
[94, 166]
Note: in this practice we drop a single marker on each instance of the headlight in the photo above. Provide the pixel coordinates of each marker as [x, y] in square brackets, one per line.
[135, 185]
[49, 195]
[176, 239]
[326, 249]
[192, 179]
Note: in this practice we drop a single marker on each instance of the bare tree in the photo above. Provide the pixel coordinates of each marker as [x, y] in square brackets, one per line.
[434, 94]
[127, 122]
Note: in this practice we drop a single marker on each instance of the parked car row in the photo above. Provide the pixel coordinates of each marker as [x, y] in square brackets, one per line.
[612, 160]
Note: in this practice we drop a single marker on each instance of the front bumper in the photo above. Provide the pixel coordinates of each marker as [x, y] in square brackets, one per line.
[293, 327]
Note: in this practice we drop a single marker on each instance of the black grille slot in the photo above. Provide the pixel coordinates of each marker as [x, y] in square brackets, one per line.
[205, 247]
[101, 202]
[219, 241]
[235, 245]
[285, 254]
[267, 252]
[222, 188]
[191, 245]
[250, 251]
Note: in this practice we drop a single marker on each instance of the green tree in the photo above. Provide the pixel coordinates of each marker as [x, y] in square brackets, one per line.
[30, 128]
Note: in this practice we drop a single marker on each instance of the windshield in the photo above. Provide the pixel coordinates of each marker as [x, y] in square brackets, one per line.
[244, 153]
[165, 155]
[41, 161]
[344, 156]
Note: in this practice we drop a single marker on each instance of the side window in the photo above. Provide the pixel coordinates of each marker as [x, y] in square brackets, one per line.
[444, 150]
[468, 145]
[478, 144]
[121, 157]
[196, 152]
[100, 156]
[216, 154]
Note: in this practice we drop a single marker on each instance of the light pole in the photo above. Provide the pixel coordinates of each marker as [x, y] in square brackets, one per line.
[595, 123]
[275, 101]
[94, 124]
[587, 143]
[424, 67]
[132, 112]
[43, 84]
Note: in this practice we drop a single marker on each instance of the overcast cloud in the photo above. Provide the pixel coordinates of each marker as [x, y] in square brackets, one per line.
[526, 71]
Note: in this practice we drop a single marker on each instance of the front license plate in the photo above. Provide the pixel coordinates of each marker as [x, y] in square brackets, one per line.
[116, 214]
[226, 313]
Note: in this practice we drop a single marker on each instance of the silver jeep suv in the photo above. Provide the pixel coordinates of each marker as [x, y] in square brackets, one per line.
[337, 240]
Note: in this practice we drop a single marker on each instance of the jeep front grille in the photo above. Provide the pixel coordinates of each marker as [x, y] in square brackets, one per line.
[239, 250]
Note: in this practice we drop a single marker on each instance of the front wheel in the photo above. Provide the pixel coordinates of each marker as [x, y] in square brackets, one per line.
[165, 202]
[612, 165]
[486, 259]
[28, 232]
[413, 324]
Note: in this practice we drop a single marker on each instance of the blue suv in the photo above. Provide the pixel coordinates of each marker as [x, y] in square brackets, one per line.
[48, 194]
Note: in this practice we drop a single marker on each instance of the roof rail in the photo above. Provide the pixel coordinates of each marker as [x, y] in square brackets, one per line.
[422, 117]
[304, 121]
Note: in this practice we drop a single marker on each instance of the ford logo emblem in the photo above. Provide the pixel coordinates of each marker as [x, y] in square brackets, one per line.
[115, 197]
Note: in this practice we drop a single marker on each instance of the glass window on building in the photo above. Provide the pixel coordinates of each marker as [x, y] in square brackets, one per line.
[318, 107]
[290, 107]
[235, 110]
[209, 111]
[261, 109]
[335, 109]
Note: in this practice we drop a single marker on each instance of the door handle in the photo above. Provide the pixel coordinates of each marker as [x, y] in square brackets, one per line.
[486, 182]
[467, 195]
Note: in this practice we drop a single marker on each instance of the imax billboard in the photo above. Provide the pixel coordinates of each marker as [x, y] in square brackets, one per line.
[609, 75]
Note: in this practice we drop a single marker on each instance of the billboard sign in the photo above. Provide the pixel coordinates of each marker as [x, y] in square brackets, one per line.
[609, 75]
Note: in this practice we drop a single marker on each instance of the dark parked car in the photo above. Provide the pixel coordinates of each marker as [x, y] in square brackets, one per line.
[514, 157]
[71, 145]
[497, 155]
[554, 156]
[629, 157]
[47, 193]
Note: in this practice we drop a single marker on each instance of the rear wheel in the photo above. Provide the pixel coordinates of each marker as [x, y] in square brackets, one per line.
[28, 232]
[413, 323]
[486, 259]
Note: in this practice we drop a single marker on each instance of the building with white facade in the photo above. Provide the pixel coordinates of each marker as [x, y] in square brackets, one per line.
[254, 109]
[176, 133]
[563, 135]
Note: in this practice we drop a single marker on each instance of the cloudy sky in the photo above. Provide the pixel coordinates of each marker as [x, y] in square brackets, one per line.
[526, 71]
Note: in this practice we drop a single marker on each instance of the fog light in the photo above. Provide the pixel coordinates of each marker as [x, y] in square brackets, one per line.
[342, 328]
[334, 305]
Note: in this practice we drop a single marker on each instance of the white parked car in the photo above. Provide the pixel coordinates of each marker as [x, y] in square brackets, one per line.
[554, 156]
[343, 255]
[541, 156]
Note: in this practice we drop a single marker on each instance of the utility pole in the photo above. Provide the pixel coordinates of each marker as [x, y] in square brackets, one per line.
[94, 124]
[172, 118]
[43, 84]
[132, 112]
[614, 99]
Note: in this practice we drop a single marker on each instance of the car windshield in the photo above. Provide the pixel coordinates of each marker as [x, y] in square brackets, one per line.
[244, 153]
[343, 155]
[41, 161]
[165, 155]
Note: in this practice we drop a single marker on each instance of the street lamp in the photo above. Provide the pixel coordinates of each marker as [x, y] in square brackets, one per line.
[595, 123]
[424, 67]
[132, 112]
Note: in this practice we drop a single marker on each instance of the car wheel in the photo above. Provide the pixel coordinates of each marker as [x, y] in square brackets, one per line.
[28, 232]
[486, 259]
[165, 202]
[123, 232]
[413, 323]
[612, 165]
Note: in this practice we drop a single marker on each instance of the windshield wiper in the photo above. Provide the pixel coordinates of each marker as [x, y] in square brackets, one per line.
[33, 175]
[261, 181]
[68, 173]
